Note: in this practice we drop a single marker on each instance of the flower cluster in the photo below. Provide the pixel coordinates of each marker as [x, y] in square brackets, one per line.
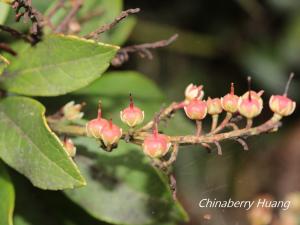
[104, 130]
[162, 147]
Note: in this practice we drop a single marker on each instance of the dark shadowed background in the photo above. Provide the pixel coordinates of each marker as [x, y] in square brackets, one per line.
[220, 42]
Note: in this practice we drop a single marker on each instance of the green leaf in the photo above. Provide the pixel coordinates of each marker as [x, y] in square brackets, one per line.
[46, 207]
[28, 145]
[122, 186]
[7, 196]
[4, 10]
[57, 65]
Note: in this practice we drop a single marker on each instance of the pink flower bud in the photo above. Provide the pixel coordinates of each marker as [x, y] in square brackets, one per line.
[132, 115]
[94, 127]
[196, 109]
[69, 147]
[111, 134]
[193, 91]
[214, 106]
[282, 105]
[230, 101]
[249, 106]
[156, 145]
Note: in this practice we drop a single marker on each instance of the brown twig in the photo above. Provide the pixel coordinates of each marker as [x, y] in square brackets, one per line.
[173, 186]
[164, 113]
[243, 143]
[63, 26]
[59, 4]
[219, 148]
[138, 137]
[7, 49]
[142, 49]
[198, 128]
[30, 13]
[106, 27]
[222, 125]
[16, 34]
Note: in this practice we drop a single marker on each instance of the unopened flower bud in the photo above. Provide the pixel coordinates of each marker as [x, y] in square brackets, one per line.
[156, 145]
[94, 127]
[230, 101]
[69, 147]
[282, 105]
[214, 106]
[111, 134]
[132, 115]
[72, 111]
[193, 91]
[196, 109]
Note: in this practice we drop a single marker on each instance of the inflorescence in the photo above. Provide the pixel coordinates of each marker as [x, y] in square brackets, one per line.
[161, 148]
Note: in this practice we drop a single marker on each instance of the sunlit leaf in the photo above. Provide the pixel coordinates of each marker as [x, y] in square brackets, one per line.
[57, 65]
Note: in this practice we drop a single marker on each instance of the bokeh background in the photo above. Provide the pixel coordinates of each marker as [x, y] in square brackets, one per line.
[221, 42]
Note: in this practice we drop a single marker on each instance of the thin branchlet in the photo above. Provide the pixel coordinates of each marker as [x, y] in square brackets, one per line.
[6, 48]
[64, 25]
[143, 50]
[124, 14]
[32, 14]
[15, 33]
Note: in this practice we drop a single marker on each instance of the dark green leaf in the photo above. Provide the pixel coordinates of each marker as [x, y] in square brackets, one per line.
[46, 207]
[123, 187]
[28, 145]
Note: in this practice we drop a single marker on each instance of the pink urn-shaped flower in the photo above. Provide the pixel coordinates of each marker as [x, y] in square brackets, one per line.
[156, 145]
[250, 104]
[196, 109]
[214, 106]
[282, 105]
[132, 115]
[94, 127]
[111, 134]
[230, 101]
